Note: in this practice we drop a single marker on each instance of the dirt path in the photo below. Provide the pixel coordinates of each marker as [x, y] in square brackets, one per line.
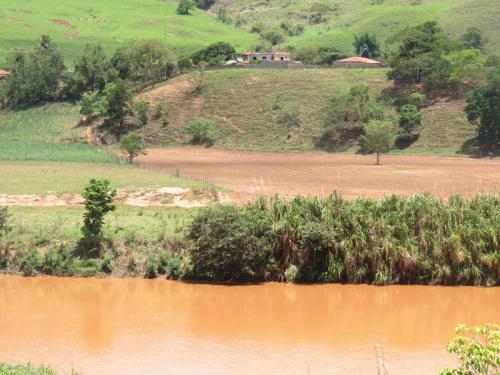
[248, 174]
[166, 196]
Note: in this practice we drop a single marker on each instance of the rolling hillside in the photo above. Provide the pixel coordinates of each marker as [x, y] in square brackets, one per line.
[73, 24]
[243, 104]
[344, 18]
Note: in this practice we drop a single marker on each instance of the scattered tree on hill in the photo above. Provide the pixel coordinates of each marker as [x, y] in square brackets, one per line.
[202, 132]
[141, 109]
[318, 55]
[418, 57]
[91, 104]
[291, 29]
[409, 118]
[117, 102]
[464, 65]
[93, 66]
[473, 38]
[133, 145]
[36, 76]
[319, 12]
[184, 7]
[98, 196]
[216, 53]
[223, 16]
[184, 64]
[144, 62]
[483, 110]
[273, 36]
[257, 27]
[366, 45]
[378, 138]
[204, 4]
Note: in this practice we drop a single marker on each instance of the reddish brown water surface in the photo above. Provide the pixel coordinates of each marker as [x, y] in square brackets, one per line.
[135, 326]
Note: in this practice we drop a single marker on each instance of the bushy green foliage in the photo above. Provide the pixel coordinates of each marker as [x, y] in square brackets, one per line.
[216, 53]
[202, 132]
[93, 66]
[167, 263]
[98, 196]
[37, 75]
[473, 38]
[141, 110]
[418, 99]
[478, 350]
[273, 36]
[318, 12]
[366, 45]
[409, 118]
[318, 55]
[483, 109]
[106, 265]
[291, 29]
[59, 261]
[4, 217]
[229, 244]
[117, 99]
[184, 7]
[378, 138]
[29, 261]
[91, 104]
[133, 145]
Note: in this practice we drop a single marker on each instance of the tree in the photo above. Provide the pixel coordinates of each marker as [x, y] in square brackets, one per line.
[91, 104]
[117, 101]
[184, 7]
[366, 45]
[417, 99]
[202, 132]
[273, 36]
[229, 244]
[418, 56]
[36, 76]
[409, 118]
[483, 110]
[378, 138]
[318, 55]
[478, 350]
[215, 53]
[464, 65]
[141, 109]
[93, 66]
[98, 196]
[133, 145]
[473, 38]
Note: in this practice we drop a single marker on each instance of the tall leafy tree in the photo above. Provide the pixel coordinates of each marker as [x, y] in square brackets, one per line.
[378, 138]
[366, 45]
[483, 109]
[93, 65]
[36, 75]
[117, 102]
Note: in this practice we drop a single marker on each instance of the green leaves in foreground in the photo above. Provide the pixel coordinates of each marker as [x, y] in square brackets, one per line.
[25, 369]
[478, 350]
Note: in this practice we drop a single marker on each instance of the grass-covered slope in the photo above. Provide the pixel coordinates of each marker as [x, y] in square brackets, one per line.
[73, 24]
[349, 17]
[242, 103]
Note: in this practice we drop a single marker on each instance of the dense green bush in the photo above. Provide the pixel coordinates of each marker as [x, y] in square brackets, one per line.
[414, 240]
[215, 53]
[230, 244]
[26, 369]
[202, 132]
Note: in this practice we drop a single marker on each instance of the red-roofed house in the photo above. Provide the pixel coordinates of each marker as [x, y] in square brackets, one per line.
[3, 75]
[357, 62]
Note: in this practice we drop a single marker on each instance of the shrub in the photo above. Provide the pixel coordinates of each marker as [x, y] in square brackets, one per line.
[409, 118]
[478, 350]
[141, 110]
[29, 262]
[292, 274]
[106, 265]
[366, 45]
[273, 36]
[98, 196]
[91, 104]
[58, 261]
[202, 132]
[4, 217]
[184, 6]
[418, 99]
[215, 53]
[229, 244]
[289, 116]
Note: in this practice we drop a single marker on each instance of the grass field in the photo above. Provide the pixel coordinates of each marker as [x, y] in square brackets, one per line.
[241, 103]
[349, 17]
[48, 132]
[39, 177]
[73, 24]
[125, 224]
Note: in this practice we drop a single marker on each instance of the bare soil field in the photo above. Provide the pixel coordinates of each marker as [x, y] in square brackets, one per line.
[248, 173]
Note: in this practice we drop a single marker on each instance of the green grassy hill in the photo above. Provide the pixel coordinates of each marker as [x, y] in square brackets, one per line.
[383, 18]
[243, 104]
[73, 24]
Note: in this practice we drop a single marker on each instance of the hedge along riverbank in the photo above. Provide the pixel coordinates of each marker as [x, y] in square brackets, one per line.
[408, 240]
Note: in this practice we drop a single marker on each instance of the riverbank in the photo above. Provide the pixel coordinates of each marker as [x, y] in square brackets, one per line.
[396, 240]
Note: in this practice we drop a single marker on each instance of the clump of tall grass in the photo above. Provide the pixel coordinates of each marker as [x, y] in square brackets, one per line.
[406, 240]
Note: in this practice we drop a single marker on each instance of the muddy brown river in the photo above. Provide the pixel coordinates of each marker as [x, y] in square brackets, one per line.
[135, 326]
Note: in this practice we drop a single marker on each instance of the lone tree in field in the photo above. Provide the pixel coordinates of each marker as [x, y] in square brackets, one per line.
[98, 196]
[133, 145]
[378, 138]
[184, 7]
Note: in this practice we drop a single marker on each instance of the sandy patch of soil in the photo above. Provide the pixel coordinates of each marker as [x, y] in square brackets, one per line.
[64, 24]
[249, 174]
[162, 197]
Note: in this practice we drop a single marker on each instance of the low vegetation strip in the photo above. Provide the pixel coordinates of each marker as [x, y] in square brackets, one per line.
[396, 240]
[26, 369]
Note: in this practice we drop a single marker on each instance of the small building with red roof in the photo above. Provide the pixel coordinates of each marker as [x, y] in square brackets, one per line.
[4, 74]
[357, 62]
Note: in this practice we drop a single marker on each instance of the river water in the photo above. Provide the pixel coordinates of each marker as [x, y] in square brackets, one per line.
[136, 326]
